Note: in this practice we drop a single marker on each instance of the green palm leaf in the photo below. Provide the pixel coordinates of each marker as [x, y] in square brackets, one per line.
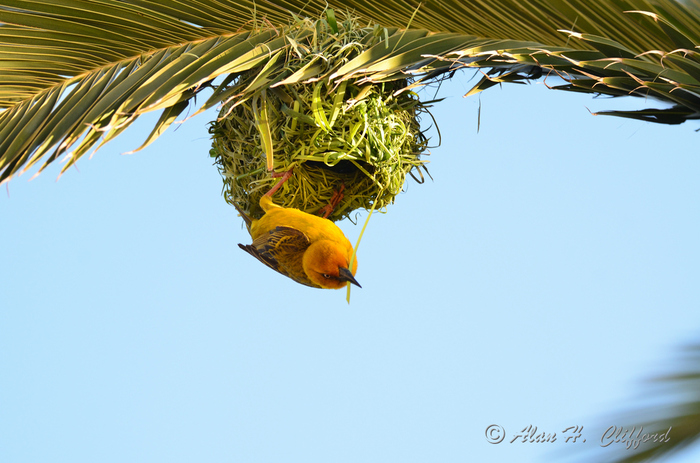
[73, 102]
[74, 74]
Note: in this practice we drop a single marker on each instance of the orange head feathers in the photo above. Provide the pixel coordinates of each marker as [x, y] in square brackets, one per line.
[308, 249]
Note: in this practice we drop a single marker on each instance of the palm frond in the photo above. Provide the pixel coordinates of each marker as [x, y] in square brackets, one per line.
[63, 98]
[74, 74]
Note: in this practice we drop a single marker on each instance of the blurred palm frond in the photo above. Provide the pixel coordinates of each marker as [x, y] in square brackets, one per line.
[671, 408]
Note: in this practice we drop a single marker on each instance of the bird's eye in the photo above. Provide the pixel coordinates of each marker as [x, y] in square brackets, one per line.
[326, 276]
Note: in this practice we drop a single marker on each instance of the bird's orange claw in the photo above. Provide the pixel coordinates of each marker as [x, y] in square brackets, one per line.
[285, 176]
[327, 210]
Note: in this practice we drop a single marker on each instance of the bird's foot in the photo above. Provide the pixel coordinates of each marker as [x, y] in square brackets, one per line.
[285, 176]
[327, 210]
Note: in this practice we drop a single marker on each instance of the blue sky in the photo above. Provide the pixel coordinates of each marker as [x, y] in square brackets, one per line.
[549, 268]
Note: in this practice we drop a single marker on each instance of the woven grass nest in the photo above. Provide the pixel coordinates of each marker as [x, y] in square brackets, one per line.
[359, 136]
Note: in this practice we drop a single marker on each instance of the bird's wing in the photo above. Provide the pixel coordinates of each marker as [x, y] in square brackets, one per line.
[282, 249]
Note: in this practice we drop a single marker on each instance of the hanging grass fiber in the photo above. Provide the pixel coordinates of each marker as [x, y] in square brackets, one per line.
[352, 135]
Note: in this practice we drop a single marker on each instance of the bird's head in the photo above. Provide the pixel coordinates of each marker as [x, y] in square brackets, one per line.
[326, 264]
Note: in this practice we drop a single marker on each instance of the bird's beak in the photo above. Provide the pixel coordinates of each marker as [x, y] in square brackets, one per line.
[346, 275]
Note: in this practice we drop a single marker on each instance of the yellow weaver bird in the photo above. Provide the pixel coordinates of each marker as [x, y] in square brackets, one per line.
[308, 249]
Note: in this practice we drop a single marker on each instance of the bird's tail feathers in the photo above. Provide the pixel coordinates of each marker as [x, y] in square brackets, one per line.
[248, 221]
